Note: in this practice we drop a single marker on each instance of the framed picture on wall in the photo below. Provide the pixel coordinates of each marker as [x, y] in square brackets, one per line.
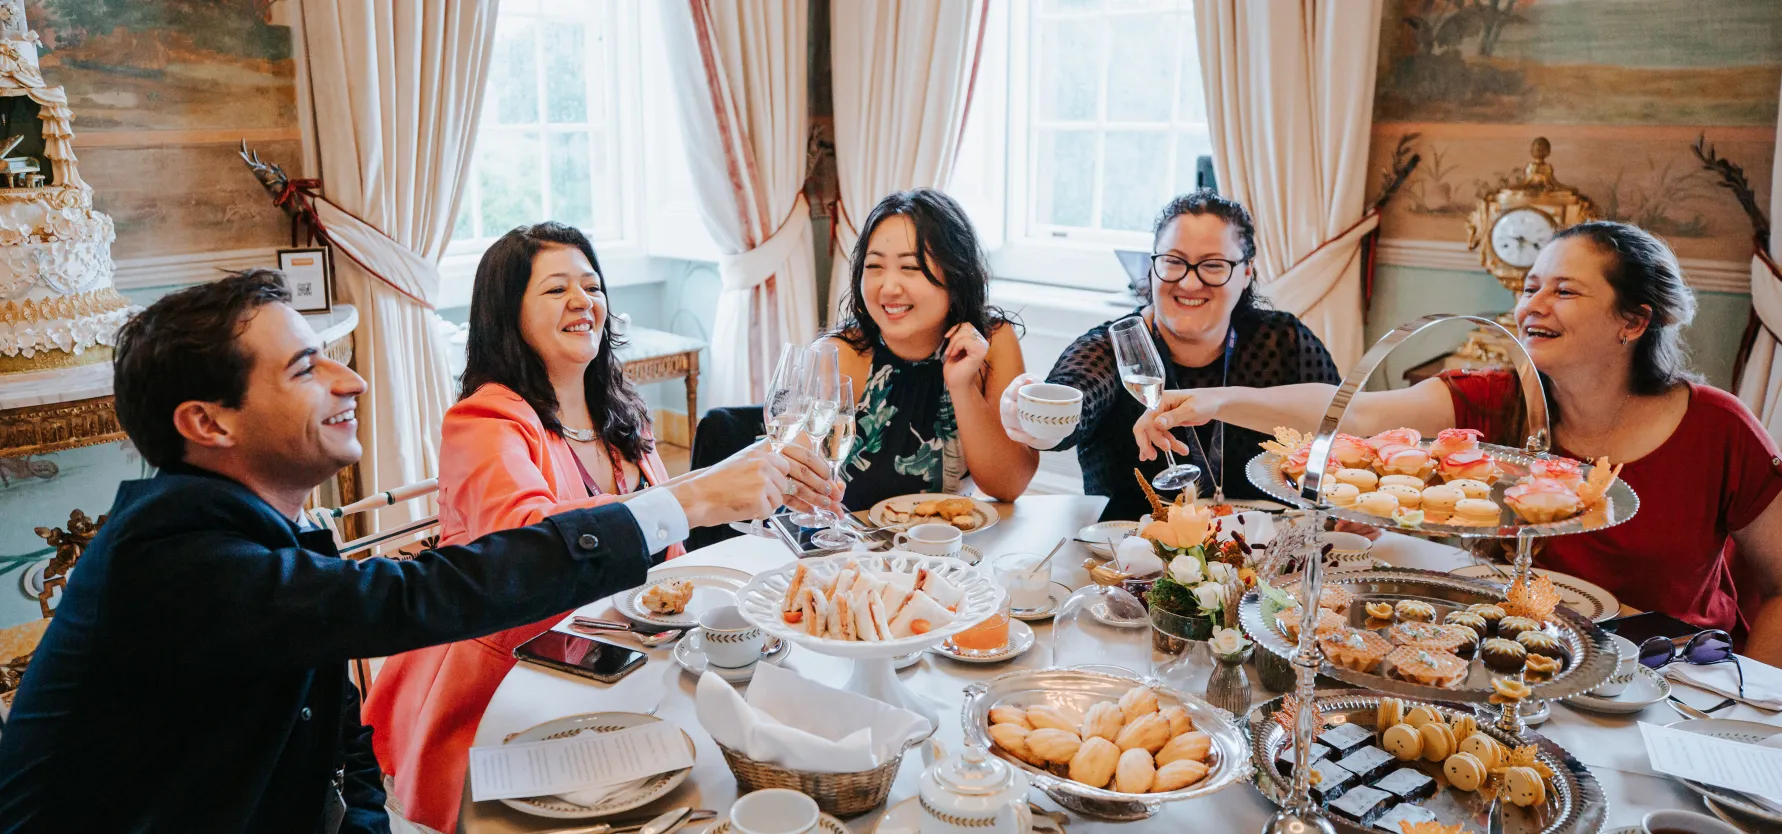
[310, 275]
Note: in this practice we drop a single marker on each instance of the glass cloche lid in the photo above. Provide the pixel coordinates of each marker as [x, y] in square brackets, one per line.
[1105, 628]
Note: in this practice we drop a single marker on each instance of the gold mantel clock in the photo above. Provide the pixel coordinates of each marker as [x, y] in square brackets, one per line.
[1510, 225]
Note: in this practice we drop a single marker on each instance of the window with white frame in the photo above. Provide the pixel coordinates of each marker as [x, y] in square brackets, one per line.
[550, 144]
[1106, 118]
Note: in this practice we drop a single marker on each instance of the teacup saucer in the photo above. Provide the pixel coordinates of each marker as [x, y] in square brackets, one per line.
[1020, 640]
[1055, 597]
[906, 818]
[1646, 688]
[905, 661]
[690, 654]
[826, 824]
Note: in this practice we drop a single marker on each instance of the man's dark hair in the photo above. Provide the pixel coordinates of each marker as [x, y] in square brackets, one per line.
[184, 347]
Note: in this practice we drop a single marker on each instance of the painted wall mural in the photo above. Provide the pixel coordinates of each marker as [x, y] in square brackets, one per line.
[1478, 79]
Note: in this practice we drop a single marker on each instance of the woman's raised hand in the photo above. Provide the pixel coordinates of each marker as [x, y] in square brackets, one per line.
[1192, 407]
[962, 362]
[1011, 413]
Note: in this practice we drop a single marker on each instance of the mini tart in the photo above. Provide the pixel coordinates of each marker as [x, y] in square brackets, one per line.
[1467, 619]
[1511, 628]
[1379, 611]
[1341, 494]
[1469, 465]
[1408, 497]
[1428, 667]
[1414, 611]
[1360, 651]
[1442, 498]
[1362, 479]
[1492, 613]
[1502, 655]
[1473, 488]
[1542, 667]
[1542, 643]
[1543, 501]
[1476, 512]
[1335, 597]
[1411, 481]
[1441, 638]
[1376, 503]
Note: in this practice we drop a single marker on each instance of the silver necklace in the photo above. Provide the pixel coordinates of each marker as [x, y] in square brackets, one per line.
[580, 435]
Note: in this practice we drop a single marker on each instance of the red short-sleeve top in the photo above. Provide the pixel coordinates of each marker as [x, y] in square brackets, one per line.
[1715, 474]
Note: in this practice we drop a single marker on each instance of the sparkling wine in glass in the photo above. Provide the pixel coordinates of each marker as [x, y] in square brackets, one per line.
[787, 406]
[825, 395]
[835, 450]
[1141, 371]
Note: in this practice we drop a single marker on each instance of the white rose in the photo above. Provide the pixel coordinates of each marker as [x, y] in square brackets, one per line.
[1185, 569]
[1227, 641]
[1210, 595]
[1221, 572]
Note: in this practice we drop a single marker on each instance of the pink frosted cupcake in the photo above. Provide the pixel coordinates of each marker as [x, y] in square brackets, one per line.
[1470, 465]
[1543, 500]
[1563, 470]
[1396, 459]
[1351, 452]
[1450, 441]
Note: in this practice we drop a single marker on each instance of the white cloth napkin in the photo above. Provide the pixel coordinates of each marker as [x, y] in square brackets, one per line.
[1137, 556]
[797, 723]
[1763, 682]
[1257, 526]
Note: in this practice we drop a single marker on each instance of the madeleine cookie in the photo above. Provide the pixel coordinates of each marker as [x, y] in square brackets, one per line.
[1464, 772]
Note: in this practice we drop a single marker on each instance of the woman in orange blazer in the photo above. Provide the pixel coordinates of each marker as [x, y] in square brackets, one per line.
[545, 423]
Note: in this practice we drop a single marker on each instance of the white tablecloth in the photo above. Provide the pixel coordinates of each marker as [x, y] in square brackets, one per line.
[1609, 745]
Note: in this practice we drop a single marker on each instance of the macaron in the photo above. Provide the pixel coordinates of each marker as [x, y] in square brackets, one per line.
[1341, 494]
[1484, 748]
[1408, 497]
[1464, 771]
[1477, 511]
[1363, 479]
[1403, 741]
[1420, 715]
[1472, 488]
[1438, 741]
[1441, 498]
[1411, 481]
[1376, 503]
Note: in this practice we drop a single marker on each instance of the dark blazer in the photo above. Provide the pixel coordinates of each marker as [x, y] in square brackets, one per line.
[194, 677]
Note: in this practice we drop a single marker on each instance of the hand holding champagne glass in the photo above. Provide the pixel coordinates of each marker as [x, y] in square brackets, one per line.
[1141, 371]
[835, 450]
[825, 395]
[787, 406]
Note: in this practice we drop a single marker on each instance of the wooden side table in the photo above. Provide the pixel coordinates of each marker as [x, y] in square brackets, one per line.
[658, 356]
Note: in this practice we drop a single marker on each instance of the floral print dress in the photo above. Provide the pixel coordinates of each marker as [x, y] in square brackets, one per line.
[907, 438]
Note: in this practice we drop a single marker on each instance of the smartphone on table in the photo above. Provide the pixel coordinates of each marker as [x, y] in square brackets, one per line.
[1641, 627]
[584, 656]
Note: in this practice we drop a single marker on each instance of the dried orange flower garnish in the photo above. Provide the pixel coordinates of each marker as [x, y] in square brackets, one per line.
[1508, 690]
[1534, 599]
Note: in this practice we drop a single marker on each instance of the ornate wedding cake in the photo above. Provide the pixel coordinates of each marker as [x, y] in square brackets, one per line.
[58, 307]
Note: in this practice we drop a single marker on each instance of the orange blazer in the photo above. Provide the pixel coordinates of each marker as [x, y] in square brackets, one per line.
[499, 468]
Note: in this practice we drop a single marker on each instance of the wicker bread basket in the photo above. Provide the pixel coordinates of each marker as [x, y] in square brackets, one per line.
[837, 794]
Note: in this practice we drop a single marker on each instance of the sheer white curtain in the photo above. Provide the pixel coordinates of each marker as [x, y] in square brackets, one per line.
[903, 74]
[739, 75]
[1761, 385]
[396, 88]
[1290, 99]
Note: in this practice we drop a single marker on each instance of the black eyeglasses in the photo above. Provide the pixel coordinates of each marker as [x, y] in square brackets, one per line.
[1213, 272]
[1704, 649]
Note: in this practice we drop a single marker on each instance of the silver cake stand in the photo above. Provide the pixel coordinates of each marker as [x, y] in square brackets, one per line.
[1299, 813]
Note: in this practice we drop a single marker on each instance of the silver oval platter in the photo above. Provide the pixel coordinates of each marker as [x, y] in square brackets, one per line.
[1264, 470]
[1575, 803]
[1591, 654]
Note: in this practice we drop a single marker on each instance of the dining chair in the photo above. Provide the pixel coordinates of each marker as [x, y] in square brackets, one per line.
[326, 517]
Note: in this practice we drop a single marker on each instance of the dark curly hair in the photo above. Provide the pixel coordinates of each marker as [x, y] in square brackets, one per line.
[497, 352]
[1203, 202]
[946, 243]
[185, 347]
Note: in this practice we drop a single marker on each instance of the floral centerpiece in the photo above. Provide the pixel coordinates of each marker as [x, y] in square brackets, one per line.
[1204, 574]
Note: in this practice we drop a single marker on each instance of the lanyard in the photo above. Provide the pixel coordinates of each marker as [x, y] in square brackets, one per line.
[618, 471]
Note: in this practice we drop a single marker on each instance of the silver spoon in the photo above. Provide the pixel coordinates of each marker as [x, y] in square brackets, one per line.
[649, 641]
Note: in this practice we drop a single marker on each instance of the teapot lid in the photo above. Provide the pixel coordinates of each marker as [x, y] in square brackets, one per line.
[974, 772]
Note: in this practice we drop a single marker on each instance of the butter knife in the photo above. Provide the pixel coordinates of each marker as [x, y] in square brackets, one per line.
[663, 824]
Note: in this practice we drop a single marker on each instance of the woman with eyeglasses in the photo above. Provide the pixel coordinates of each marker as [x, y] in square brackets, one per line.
[1211, 328]
[1602, 313]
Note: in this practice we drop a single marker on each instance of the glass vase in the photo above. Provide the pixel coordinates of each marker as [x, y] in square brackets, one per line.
[1229, 686]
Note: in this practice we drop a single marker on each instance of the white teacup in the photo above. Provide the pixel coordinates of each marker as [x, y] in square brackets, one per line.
[1625, 669]
[1683, 822]
[931, 540]
[1049, 411]
[728, 639]
[774, 811]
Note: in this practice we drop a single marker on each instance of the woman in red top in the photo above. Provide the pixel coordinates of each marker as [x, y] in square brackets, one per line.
[546, 423]
[1601, 313]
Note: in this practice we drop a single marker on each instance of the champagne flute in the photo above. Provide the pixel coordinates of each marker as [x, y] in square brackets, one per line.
[825, 388]
[835, 450]
[1141, 371]
[786, 407]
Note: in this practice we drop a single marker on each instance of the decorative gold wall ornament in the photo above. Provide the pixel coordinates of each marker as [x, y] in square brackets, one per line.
[1509, 226]
[69, 545]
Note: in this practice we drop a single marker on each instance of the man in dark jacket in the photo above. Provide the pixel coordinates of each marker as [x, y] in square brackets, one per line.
[194, 677]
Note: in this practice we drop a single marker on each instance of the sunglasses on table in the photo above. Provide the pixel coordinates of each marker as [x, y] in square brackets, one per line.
[1213, 272]
[1705, 648]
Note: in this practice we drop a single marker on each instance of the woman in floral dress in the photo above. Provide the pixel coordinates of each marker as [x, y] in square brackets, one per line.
[929, 357]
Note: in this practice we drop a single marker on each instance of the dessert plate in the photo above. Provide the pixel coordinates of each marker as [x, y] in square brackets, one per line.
[1647, 688]
[710, 590]
[1020, 640]
[985, 512]
[637, 796]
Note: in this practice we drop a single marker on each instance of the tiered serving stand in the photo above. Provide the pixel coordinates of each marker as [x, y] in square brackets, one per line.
[1576, 804]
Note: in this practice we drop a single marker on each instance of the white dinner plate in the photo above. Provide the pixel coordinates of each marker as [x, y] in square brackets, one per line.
[690, 654]
[1647, 688]
[1020, 640]
[1106, 534]
[1586, 598]
[710, 590]
[985, 512]
[556, 807]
